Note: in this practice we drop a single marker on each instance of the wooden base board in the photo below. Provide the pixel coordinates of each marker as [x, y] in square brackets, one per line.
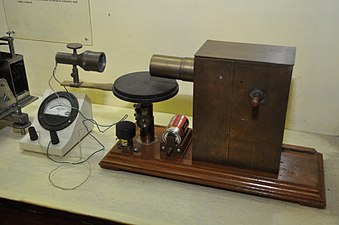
[300, 178]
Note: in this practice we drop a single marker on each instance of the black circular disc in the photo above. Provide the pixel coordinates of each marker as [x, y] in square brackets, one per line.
[56, 122]
[141, 87]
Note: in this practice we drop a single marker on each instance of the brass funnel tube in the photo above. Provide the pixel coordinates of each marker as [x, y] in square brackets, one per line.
[172, 67]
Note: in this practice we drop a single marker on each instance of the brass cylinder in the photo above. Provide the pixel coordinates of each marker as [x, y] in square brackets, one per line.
[172, 67]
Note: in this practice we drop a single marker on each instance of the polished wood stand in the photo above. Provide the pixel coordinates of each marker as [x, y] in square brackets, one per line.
[300, 178]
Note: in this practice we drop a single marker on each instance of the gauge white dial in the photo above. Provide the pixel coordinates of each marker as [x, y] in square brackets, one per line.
[59, 107]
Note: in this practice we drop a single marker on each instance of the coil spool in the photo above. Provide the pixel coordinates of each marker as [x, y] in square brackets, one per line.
[177, 127]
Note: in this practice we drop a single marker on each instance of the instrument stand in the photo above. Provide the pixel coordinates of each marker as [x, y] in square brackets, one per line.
[300, 178]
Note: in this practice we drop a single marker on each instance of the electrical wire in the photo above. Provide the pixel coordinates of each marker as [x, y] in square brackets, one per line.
[98, 126]
[101, 128]
[54, 171]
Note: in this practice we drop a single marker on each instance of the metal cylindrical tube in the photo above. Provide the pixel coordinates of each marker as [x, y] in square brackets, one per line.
[172, 67]
[88, 60]
[93, 61]
[66, 58]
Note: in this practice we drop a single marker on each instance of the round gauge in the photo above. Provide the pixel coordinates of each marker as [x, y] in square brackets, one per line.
[58, 111]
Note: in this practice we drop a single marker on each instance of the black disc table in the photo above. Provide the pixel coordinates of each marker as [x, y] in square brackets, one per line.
[143, 89]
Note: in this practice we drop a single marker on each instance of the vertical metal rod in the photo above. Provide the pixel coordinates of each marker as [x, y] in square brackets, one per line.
[75, 75]
[11, 46]
[145, 121]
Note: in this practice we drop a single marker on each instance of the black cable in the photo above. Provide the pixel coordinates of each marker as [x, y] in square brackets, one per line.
[101, 128]
[98, 126]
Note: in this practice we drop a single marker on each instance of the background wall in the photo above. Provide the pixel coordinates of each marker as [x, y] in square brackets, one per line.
[131, 31]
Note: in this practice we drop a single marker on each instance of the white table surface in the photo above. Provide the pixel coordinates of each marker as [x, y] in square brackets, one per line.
[140, 199]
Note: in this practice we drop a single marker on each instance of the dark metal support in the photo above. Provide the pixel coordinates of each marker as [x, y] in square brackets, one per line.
[145, 121]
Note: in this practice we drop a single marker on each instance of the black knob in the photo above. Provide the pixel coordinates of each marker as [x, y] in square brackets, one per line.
[33, 135]
[74, 46]
[125, 130]
[54, 137]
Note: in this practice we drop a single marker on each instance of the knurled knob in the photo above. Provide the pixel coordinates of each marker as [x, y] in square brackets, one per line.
[74, 46]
